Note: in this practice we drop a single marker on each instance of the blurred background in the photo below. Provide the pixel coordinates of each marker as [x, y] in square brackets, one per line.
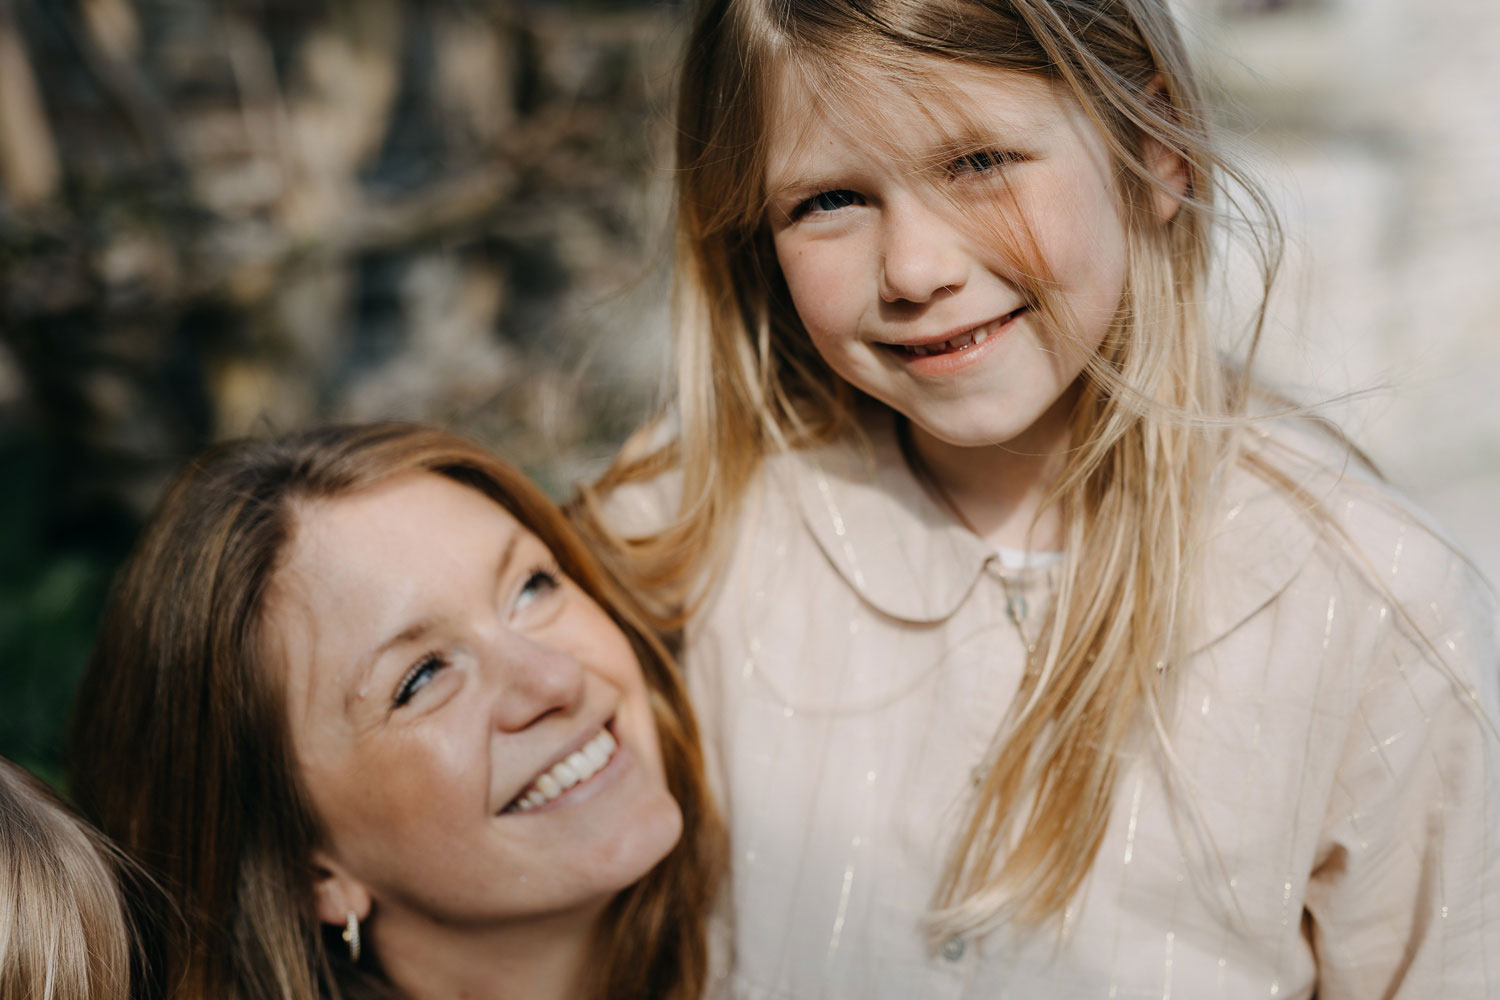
[221, 217]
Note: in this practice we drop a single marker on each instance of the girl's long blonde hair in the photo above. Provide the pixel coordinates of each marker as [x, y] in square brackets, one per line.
[1149, 432]
[64, 931]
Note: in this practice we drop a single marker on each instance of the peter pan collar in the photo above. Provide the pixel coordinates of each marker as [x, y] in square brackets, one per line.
[881, 529]
[906, 556]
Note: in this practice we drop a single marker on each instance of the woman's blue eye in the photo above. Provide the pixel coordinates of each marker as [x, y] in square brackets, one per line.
[421, 672]
[827, 201]
[539, 583]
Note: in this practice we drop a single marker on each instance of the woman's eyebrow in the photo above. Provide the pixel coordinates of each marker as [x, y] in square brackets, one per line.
[422, 627]
[412, 633]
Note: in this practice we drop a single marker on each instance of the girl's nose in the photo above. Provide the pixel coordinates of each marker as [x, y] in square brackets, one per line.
[922, 254]
[534, 681]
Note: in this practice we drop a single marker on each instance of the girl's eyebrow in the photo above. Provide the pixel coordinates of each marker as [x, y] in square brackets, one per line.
[1020, 127]
[780, 189]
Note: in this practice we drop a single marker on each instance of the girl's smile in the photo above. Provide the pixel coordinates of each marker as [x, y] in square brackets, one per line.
[965, 292]
[949, 352]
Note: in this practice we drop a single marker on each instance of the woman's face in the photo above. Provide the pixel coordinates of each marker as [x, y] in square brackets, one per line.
[474, 732]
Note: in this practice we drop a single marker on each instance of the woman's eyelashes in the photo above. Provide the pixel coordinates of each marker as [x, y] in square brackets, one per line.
[540, 582]
[417, 677]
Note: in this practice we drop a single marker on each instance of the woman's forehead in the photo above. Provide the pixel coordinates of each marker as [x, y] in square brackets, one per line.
[420, 514]
[365, 566]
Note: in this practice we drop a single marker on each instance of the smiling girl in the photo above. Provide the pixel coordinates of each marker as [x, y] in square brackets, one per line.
[372, 714]
[1040, 651]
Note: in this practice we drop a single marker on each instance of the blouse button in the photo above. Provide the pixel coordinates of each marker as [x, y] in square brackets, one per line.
[953, 948]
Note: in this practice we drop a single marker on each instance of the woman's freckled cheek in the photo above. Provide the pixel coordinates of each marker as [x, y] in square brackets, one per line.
[412, 768]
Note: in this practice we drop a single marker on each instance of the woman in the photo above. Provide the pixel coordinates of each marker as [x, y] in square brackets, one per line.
[368, 678]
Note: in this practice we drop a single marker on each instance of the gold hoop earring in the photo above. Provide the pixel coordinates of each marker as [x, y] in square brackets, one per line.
[351, 935]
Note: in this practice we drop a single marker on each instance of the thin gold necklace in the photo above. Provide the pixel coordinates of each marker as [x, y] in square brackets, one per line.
[1015, 601]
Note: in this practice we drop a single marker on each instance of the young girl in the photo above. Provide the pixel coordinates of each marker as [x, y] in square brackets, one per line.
[1039, 652]
[64, 934]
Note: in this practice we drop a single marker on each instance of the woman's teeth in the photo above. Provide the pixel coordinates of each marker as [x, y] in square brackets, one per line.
[580, 765]
[963, 341]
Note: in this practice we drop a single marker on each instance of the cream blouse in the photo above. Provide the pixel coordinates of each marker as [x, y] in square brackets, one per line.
[1331, 825]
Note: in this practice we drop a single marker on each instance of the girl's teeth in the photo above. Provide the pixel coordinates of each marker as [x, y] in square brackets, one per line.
[962, 342]
[578, 766]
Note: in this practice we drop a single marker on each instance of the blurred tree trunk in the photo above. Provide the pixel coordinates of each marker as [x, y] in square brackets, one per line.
[28, 157]
[219, 217]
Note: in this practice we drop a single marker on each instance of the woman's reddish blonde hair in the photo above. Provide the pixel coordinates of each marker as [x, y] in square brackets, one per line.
[181, 750]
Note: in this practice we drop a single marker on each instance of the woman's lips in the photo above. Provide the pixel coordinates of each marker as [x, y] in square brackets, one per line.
[967, 340]
[574, 769]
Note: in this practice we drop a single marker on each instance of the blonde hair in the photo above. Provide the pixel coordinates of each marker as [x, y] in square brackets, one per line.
[1150, 427]
[181, 748]
[64, 934]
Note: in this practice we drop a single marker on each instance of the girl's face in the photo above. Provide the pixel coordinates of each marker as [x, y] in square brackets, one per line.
[474, 732]
[898, 276]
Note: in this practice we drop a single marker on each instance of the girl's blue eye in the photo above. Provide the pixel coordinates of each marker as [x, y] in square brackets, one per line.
[539, 583]
[827, 201]
[421, 672]
[982, 161]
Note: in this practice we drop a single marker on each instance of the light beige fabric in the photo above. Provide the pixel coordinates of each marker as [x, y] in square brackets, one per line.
[1333, 825]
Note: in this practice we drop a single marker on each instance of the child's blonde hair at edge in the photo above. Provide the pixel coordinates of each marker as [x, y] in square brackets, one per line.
[64, 934]
[1150, 435]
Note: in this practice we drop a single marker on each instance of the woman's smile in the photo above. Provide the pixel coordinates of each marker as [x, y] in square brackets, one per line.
[575, 775]
[488, 677]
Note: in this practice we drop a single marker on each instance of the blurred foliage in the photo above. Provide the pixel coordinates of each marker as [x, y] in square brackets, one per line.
[220, 217]
[54, 571]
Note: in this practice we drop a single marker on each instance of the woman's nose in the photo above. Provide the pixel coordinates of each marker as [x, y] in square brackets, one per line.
[922, 253]
[535, 680]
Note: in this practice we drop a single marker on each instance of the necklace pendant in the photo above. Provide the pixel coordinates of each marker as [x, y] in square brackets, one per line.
[1015, 608]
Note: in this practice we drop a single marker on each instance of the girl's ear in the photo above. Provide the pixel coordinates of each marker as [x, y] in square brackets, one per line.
[337, 893]
[1167, 165]
[1171, 171]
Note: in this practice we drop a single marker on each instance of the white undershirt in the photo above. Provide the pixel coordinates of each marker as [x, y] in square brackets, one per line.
[1022, 559]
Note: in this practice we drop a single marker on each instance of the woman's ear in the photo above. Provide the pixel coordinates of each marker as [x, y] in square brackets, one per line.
[337, 893]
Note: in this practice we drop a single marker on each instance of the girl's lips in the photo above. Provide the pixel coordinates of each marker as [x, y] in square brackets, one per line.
[958, 352]
[970, 338]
